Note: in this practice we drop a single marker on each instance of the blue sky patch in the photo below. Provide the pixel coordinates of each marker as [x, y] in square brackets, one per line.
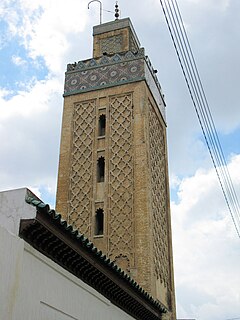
[17, 68]
[229, 143]
[47, 197]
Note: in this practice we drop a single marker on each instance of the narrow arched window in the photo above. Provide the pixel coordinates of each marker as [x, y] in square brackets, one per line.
[102, 125]
[100, 169]
[99, 222]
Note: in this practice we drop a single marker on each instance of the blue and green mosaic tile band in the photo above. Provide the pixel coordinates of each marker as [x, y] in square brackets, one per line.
[111, 70]
[104, 76]
[106, 60]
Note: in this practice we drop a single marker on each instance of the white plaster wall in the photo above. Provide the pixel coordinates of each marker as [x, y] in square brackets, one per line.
[11, 258]
[35, 288]
[13, 207]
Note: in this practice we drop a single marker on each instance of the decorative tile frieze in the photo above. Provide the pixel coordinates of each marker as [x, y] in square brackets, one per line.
[112, 70]
[106, 59]
[100, 77]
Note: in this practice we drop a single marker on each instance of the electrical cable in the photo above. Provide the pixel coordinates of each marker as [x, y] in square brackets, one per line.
[220, 163]
[212, 134]
[216, 143]
[191, 75]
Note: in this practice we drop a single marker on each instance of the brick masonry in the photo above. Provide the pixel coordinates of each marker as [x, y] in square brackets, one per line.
[134, 195]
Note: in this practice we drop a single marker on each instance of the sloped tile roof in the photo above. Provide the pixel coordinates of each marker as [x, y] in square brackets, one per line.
[52, 236]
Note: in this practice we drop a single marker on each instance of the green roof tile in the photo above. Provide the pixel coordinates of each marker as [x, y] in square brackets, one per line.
[91, 248]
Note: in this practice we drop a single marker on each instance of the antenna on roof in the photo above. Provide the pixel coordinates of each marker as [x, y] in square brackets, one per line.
[100, 8]
[116, 11]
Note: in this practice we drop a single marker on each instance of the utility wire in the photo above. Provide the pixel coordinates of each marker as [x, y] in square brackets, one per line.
[205, 118]
[191, 75]
[215, 147]
[215, 143]
[219, 156]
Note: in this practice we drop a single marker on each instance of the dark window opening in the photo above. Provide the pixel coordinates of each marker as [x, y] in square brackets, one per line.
[102, 125]
[99, 222]
[100, 169]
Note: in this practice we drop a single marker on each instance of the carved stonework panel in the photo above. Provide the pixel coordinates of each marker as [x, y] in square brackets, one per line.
[133, 44]
[121, 228]
[111, 44]
[80, 210]
[122, 262]
[159, 198]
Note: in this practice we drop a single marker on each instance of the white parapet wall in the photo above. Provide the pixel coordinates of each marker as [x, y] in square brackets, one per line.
[33, 287]
[13, 208]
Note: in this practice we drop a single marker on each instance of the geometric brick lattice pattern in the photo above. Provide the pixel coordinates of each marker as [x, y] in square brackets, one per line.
[121, 229]
[80, 211]
[112, 44]
[159, 198]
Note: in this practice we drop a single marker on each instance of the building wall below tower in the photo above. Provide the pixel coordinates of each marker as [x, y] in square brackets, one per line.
[35, 287]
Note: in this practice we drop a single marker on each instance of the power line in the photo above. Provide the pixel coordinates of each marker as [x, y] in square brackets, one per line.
[191, 75]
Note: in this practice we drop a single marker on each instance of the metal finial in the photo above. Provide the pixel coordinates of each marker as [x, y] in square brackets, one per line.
[116, 11]
[100, 8]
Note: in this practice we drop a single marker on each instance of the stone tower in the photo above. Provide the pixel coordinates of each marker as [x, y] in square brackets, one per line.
[113, 171]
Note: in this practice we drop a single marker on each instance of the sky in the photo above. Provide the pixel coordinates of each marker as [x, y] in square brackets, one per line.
[37, 40]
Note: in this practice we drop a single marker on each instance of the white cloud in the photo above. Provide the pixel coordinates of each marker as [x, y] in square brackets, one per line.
[214, 4]
[206, 248]
[44, 27]
[18, 61]
[47, 36]
[30, 124]
[30, 102]
[30, 118]
[4, 93]
[174, 181]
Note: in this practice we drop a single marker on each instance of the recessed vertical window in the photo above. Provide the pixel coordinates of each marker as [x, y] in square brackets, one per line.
[102, 125]
[99, 222]
[100, 169]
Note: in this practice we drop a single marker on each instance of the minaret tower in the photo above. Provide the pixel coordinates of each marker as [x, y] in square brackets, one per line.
[113, 171]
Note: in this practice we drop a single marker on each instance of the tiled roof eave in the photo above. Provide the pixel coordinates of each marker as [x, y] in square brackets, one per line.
[49, 234]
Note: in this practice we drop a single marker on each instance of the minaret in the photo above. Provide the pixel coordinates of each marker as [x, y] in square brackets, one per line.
[113, 170]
